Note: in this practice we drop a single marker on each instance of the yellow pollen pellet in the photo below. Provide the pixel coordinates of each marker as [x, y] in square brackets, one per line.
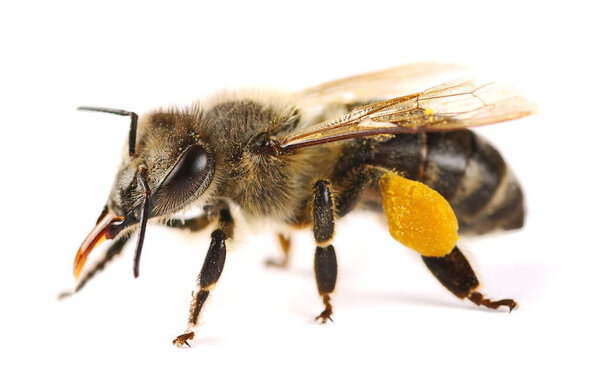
[418, 216]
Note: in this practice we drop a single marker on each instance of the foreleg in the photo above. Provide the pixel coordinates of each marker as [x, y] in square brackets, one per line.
[113, 251]
[209, 274]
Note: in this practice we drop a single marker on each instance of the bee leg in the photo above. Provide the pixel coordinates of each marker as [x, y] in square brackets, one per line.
[456, 274]
[285, 243]
[209, 274]
[112, 251]
[326, 273]
[325, 259]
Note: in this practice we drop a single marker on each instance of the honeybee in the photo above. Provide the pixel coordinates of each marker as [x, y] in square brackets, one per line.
[302, 160]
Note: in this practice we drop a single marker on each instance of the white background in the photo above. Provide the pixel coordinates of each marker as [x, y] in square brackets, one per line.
[390, 313]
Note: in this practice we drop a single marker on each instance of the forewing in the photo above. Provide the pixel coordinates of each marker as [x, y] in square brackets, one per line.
[380, 85]
[455, 105]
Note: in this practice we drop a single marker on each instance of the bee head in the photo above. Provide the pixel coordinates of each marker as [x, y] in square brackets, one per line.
[177, 163]
[168, 168]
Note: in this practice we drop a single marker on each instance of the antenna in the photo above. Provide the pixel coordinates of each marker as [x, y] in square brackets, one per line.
[125, 113]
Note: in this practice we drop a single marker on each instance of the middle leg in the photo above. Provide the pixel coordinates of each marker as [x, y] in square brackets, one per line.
[325, 259]
[325, 209]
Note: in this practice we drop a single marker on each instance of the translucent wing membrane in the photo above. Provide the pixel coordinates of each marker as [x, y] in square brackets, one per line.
[455, 105]
[379, 85]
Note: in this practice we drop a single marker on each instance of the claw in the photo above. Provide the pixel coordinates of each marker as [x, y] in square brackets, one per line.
[183, 339]
[65, 294]
[480, 300]
[277, 263]
[324, 316]
[328, 311]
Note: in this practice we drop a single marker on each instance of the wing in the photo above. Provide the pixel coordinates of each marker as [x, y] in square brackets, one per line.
[379, 85]
[459, 104]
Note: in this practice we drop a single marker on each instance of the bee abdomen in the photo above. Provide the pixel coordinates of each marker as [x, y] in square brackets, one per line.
[475, 179]
[463, 168]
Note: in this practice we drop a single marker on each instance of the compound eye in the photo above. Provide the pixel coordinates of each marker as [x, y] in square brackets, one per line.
[189, 177]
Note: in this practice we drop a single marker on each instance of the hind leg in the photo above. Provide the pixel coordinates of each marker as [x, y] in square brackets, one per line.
[285, 243]
[456, 274]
